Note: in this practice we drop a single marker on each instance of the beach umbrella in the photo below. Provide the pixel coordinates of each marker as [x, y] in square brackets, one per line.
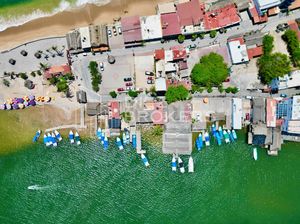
[47, 98]
[32, 103]
[26, 103]
[2, 107]
[21, 105]
[12, 61]
[8, 107]
[24, 53]
[19, 100]
[15, 106]
[31, 97]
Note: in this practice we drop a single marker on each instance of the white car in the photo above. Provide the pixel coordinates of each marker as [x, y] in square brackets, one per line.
[101, 65]
[84, 54]
[119, 30]
[129, 88]
[109, 33]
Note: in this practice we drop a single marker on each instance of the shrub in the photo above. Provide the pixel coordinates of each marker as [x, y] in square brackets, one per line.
[181, 38]
[291, 39]
[153, 91]
[53, 80]
[23, 75]
[126, 116]
[201, 35]
[268, 44]
[209, 89]
[221, 88]
[178, 93]
[96, 75]
[157, 131]
[213, 34]
[39, 73]
[62, 85]
[234, 90]
[194, 37]
[113, 94]
[6, 82]
[132, 93]
[32, 74]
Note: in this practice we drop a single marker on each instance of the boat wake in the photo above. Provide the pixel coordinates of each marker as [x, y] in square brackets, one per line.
[37, 187]
[64, 5]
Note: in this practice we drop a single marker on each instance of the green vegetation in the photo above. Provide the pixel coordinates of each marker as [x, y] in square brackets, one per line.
[210, 71]
[132, 93]
[44, 66]
[233, 90]
[126, 116]
[201, 35]
[194, 37]
[6, 82]
[291, 39]
[268, 44]
[209, 89]
[32, 74]
[39, 73]
[181, 38]
[221, 88]
[62, 85]
[196, 88]
[113, 94]
[178, 93]
[213, 34]
[96, 75]
[53, 80]
[153, 91]
[69, 76]
[23, 75]
[157, 131]
[272, 65]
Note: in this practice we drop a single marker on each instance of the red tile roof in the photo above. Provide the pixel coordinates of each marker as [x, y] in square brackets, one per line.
[57, 70]
[190, 13]
[159, 54]
[221, 17]
[294, 26]
[179, 54]
[240, 39]
[183, 65]
[131, 28]
[114, 110]
[255, 52]
[170, 24]
[158, 114]
[256, 17]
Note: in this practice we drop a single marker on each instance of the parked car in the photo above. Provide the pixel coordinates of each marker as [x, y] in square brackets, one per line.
[119, 30]
[247, 116]
[192, 46]
[149, 73]
[120, 89]
[150, 81]
[109, 33]
[127, 79]
[129, 88]
[101, 65]
[283, 95]
[115, 31]
[150, 78]
[128, 84]
[248, 97]
[84, 54]
[281, 27]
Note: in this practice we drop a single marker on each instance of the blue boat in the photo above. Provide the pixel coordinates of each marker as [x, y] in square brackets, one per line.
[37, 135]
[219, 140]
[98, 133]
[234, 134]
[57, 135]
[213, 129]
[102, 138]
[174, 164]
[54, 139]
[230, 135]
[71, 137]
[119, 144]
[127, 137]
[46, 140]
[134, 141]
[200, 141]
[49, 137]
[221, 132]
[105, 145]
[77, 138]
[207, 139]
[124, 138]
[145, 160]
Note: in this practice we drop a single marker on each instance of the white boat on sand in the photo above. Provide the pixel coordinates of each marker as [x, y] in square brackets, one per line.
[191, 165]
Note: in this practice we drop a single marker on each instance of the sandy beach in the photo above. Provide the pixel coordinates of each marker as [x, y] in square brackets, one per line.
[61, 23]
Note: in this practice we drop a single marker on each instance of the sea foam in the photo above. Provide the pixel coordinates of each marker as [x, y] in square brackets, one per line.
[63, 6]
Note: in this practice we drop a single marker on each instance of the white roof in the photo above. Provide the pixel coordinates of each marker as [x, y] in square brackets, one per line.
[160, 68]
[168, 55]
[167, 7]
[85, 37]
[170, 67]
[237, 113]
[160, 84]
[290, 81]
[294, 126]
[296, 108]
[151, 27]
[238, 52]
[265, 4]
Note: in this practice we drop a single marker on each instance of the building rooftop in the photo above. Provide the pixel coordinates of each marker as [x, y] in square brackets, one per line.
[98, 35]
[294, 26]
[271, 112]
[296, 108]
[160, 84]
[256, 17]
[170, 24]
[159, 54]
[289, 81]
[74, 40]
[179, 54]
[131, 29]
[114, 110]
[85, 37]
[57, 70]
[254, 52]
[259, 109]
[237, 112]
[165, 8]
[151, 27]
[190, 13]
[222, 17]
[266, 4]
[238, 52]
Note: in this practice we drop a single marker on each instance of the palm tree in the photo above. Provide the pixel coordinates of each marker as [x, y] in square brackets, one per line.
[44, 66]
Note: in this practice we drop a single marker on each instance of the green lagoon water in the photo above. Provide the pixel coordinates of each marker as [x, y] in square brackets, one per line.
[85, 184]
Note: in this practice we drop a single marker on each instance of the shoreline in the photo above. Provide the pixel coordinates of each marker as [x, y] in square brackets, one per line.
[62, 22]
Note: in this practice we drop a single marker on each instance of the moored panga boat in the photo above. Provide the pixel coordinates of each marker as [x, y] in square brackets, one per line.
[145, 160]
[46, 140]
[99, 132]
[221, 132]
[36, 136]
[234, 134]
[124, 138]
[105, 145]
[219, 141]
[134, 140]
[57, 135]
[77, 138]
[49, 139]
[255, 155]
[230, 135]
[119, 144]
[207, 139]
[181, 165]
[102, 138]
[191, 165]
[71, 136]
[226, 136]
[54, 139]
[174, 164]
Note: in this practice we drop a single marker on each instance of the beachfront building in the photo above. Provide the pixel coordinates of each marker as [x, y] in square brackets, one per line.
[269, 6]
[131, 29]
[57, 70]
[149, 112]
[114, 118]
[98, 38]
[238, 50]
[170, 25]
[237, 113]
[74, 41]
[151, 27]
[85, 38]
[165, 8]
[292, 80]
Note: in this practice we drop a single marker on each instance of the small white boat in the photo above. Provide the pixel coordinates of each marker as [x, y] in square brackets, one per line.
[145, 160]
[124, 138]
[98, 133]
[119, 144]
[54, 140]
[77, 138]
[71, 136]
[234, 134]
[58, 136]
[49, 139]
[174, 164]
[255, 155]
[191, 165]
[33, 187]
[181, 165]
[207, 139]
[102, 138]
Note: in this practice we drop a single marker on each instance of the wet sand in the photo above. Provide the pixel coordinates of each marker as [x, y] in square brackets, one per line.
[61, 23]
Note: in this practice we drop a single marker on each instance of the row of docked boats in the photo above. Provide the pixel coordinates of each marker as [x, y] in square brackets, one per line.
[52, 139]
[219, 135]
[179, 163]
[74, 138]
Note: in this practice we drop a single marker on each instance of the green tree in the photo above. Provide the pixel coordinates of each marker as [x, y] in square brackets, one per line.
[201, 35]
[32, 74]
[23, 75]
[178, 93]
[228, 90]
[221, 88]
[268, 44]
[44, 66]
[6, 82]
[62, 85]
[291, 39]
[234, 90]
[181, 38]
[153, 91]
[213, 34]
[273, 66]
[210, 71]
[126, 116]
[53, 80]
[157, 131]
[95, 75]
[132, 93]
[194, 37]
[39, 73]
[209, 89]
[113, 94]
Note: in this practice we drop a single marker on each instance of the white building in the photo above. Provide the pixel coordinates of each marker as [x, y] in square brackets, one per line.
[237, 113]
[151, 27]
[289, 81]
[160, 85]
[85, 37]
[292, 120]
[238, 52]
[263, 5]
